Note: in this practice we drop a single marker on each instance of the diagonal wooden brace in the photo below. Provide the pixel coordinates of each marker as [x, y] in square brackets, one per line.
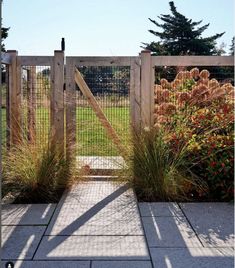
[98, 111]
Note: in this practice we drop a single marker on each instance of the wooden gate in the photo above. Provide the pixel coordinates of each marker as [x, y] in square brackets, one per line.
[102, 103]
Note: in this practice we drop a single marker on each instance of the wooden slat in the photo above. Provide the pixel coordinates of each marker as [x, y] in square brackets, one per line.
[147, 90]
[15, 128]
[135, 94]
[98, 111]
[7, 109]
[193, 60]
[102, 61]
[58, 98]
[36, 60]
[70, 106]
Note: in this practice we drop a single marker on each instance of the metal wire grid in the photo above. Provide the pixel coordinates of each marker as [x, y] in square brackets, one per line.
[111, 87]
[224, 74]
[4, 113]
[36, 90]
[164, 76]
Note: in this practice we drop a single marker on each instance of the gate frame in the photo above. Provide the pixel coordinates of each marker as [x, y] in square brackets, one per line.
[135, 95]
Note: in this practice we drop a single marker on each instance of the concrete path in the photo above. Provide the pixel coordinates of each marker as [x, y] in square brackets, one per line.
[98, 224]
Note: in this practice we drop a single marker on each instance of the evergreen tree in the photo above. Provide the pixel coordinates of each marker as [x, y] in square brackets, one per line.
[232, 47]
[181, 36]
[4, 36]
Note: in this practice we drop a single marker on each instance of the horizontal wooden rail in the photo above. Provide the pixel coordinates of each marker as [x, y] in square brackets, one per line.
[192, 61]
[36, 60]
[103, 61]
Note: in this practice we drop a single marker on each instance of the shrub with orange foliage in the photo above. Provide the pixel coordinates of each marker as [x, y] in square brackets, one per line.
[198, 111]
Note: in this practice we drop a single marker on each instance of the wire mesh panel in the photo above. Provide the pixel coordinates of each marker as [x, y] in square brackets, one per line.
[36, 91]
[110, 87]
[4, 107]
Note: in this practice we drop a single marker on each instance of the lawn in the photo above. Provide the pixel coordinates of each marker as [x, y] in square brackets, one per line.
[91, 136]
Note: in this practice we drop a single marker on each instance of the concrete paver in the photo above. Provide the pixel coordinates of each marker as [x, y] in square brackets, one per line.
[160, 209]
[20, 242]
[213, 222]
[102, 162]
[27, 214]
[50, 264]
[101, 208]
[121, 264]
[169, 232]
[92, 248]
[191, 257]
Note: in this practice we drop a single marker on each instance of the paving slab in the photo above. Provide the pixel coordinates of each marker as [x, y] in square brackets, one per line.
[92, 248]
[95, 191]
[229, 252]
[102, 162]
[169, 232]
[20, 242]
[24, 214]
[101, 208]
[213, 222]
[121, 264]
[50, 264]
[160, 209]
[192, 257]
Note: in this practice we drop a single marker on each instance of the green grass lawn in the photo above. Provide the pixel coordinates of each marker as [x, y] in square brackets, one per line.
[90, 134]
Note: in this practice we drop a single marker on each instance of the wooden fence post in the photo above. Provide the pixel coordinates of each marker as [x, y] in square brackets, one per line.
[8, 141]
[147, 90]
[57, 98]
[31, 102]
[15, 123]
[70, 106]
[135, 94]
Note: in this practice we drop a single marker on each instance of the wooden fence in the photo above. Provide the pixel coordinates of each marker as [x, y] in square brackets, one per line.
[62, 79]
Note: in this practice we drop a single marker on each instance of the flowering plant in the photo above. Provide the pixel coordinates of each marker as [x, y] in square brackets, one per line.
[198, 111]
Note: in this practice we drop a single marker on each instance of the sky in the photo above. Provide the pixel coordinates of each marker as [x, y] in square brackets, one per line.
[103, 27]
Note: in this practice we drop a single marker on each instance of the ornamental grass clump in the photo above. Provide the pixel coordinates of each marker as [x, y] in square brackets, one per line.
[37, 172]
[159, 173]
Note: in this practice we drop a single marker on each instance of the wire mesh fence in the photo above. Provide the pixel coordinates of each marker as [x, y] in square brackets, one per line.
[110, 87]
[36, 91]
[4, 98]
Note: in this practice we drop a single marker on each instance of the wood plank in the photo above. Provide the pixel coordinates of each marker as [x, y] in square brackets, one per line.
[193, 60]
[102, 61]
[70, 107]
[36, 60]
[7, 109]
[147, 90]
[15, 123]
[58, 98]
[135, 94]
[98, 111]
